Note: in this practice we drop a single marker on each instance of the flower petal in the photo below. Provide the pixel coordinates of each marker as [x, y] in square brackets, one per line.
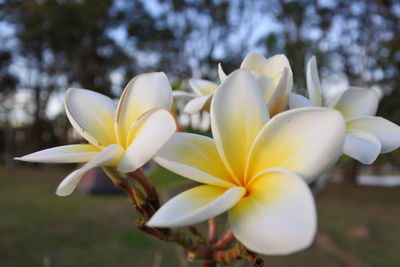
[221, 73]
[267, 85]
[144, 92]
[182, 95]
[277, 217]
[238, 113]
[108, 157]
[279, 99]
[356, 102]
[386, 131]
[253, 61]
[299, 101]
[313, 83]
[305, 141]
[92, 115]
[362, 146]
[196, 205]
[275, 65]
[195, 157]
[278, 69]
[197, 104]
[63, 154]
[149, 134]
[271, 67]
[203, 87]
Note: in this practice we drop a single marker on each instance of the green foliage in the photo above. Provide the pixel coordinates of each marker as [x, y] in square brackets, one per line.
[164, 179]
[68, 38]
[136, 240]
[8, 82]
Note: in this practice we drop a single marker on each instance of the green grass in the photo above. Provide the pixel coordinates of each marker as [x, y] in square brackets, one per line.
[37, 228]
[165, 179]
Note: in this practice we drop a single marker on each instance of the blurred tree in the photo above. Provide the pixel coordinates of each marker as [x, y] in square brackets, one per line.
[62, 43]
[71, 42]
[368, 45]
[179, 36]
[8, 83]
[358, 41]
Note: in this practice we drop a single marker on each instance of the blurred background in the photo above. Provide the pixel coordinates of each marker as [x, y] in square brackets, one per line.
[48, 46]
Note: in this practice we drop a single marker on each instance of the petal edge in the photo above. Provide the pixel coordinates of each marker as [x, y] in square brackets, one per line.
[196, 205]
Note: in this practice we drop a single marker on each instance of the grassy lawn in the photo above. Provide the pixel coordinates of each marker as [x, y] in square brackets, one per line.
[37, 228]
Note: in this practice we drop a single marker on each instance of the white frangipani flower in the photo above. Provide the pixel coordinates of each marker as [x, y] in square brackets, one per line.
[255, 168]
[367, 136]
[274, 76]
[200, 98]
[123, 136]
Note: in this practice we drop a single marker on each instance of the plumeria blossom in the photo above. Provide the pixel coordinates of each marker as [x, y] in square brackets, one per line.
[367, 135]
[274, 77]
[255, 168]
[122, 137]
[200, 98]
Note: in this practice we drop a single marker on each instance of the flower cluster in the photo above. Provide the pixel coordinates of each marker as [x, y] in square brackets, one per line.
[259, 161]
[123, 136]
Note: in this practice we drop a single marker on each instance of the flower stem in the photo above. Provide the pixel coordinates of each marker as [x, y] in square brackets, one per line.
[208, 263]
[212, 230]
[212, 251]
[225, 240]
[142, 203]
[231, 255]
[138, 199]
[148, 187]
[199, 237]
[141, 225]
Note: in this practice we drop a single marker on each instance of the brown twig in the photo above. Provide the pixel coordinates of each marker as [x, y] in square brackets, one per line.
[324, 243]
[254, 260]
[142, 203]
[148, 187]
[137, 198]
[141, 225]
[211, 251]
[209, 263]
[224, 241]
[212, 230]
[179, 237]
[230, 256]
[128, 190]
[199, 237]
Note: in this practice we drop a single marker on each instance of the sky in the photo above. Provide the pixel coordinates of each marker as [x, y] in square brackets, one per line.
[331, 84]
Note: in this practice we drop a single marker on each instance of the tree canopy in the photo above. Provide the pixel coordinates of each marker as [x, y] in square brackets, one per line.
[100, 45]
